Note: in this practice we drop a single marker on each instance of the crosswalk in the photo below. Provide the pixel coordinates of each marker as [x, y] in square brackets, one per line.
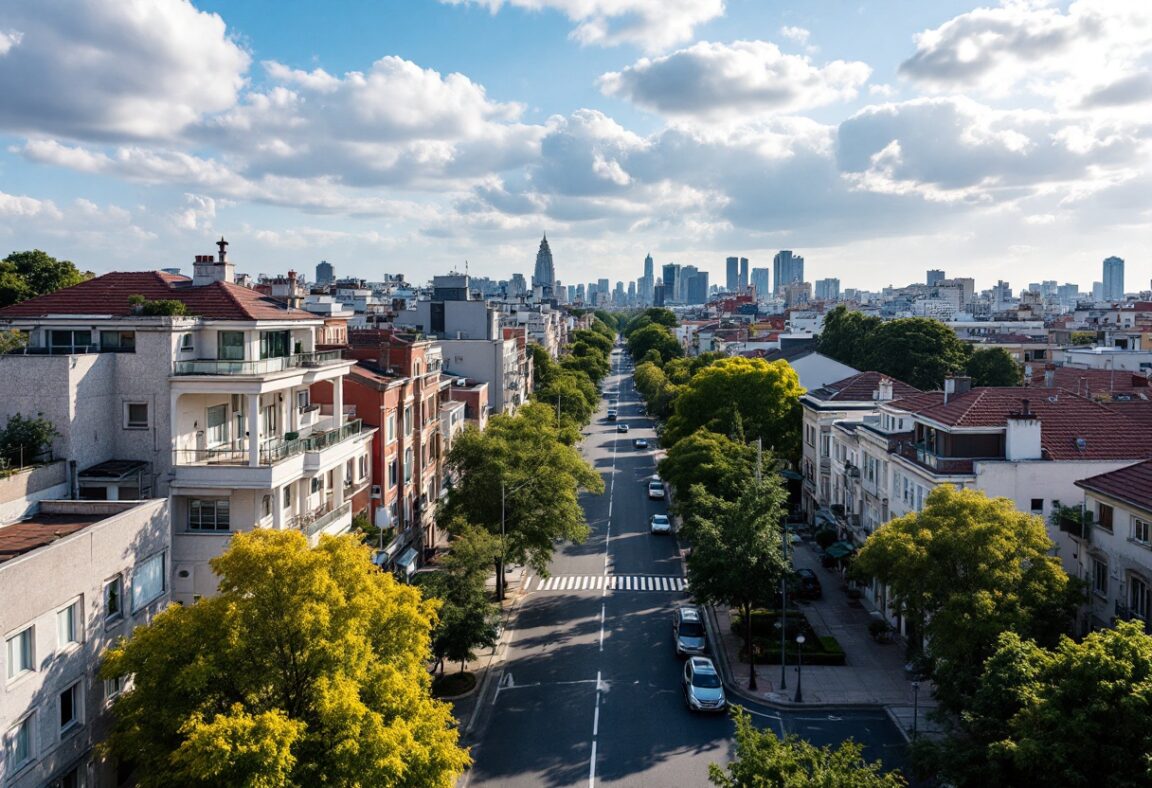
[610, 582]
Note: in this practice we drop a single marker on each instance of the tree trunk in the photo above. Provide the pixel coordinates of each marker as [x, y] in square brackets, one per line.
[500, 579]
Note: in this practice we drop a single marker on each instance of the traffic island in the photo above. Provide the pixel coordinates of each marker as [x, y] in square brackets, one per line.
[771, 647]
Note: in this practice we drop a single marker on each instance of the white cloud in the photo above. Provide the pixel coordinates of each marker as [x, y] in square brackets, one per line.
[711, 80]
[92, 69]
[798, 34]
[9, 39]
[199, 213]
[20, 206]
[652, 25]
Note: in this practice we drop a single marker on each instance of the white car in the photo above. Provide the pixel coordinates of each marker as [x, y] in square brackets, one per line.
[703, 690]
[659, 524]
[656, 490]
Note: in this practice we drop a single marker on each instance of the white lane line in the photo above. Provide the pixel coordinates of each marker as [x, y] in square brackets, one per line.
[528, 583]
[601, 626]
[592, 767]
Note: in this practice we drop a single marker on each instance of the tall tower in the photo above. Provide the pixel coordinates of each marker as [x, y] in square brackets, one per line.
[743, 274]
[545, 275]
[732, 269]
[1113, 279]
[325, 275]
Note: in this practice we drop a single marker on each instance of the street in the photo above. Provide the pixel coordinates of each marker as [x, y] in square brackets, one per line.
[589, 691]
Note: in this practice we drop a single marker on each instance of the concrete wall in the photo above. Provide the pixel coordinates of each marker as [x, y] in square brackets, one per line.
[20, 491]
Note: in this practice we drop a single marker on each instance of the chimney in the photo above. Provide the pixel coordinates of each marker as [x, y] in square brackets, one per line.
[963, 384]
[1049, 375]
[1022, 435]
[223, 271]
[203, 270]
[949, 388]
[884, 394]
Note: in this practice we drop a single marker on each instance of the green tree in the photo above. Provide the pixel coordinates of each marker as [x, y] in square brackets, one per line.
[762, 396]
[845, 336]
[706, 461]
[737, 556]
[25, 275]
[606, 320]
[681, 370]
[917, 350]
[468, 620]
[994, 366]
[12, 340]
[593, 338]
[594, 366]
[1083, 338]
[763, 759]
[307, 668]
[24, 440]
[965, 569]
[654, 337]
[573, 394]
[518, 479]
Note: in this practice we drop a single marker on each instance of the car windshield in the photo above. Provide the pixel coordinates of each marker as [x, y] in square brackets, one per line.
[691, 629]
[705, 680]
[656, 485]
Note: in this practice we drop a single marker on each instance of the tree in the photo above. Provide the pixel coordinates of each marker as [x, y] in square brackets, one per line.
[654, 337]
[25, 275]
[518, 480]
[917, 350]
[307, 668]
[706, 461]
[12, 340]
[965, 569]
[23, 440]
[573, 394]
[763, 759]
[845, 335]
[737, 556]
[594, 367]
[593, 338]
[763, 396]
[994, 366]
[468, 620]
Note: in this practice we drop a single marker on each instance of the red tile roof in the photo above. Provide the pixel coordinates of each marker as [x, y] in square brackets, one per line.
[860, 388]
[1065, 421]
[1133, 485]
[1091, 381]
[109, 294]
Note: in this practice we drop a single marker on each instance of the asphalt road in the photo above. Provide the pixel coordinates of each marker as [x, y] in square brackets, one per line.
[589, 692]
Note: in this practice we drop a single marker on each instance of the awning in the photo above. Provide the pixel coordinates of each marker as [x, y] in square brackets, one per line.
[407, 560]
[382, 557]
[840, 549]
[825, 517]
[788, 473]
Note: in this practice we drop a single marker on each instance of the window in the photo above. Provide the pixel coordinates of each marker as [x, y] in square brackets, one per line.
[135, 415]
[149, 581]
[113, 687]
[217, 425]
[266, 506]
[391, 428]
[408, 465]
[288, 496]
[114, 598]
[70, 341]
[209, 515]
[1100, 577]
[302, 399]
[186, 345]
[317, 484]
[1037, 504]
[809, 435]
[1104, 516]
[118, 341]
[1138, 597]
[407, 419]
[363, 467]
[230, 345]
[269, 420]
[275, 344]
[393, 473]
[1140, 530]
[349, 473]
[20, 658]
[68, 624]
[70, 707]
[20, 743]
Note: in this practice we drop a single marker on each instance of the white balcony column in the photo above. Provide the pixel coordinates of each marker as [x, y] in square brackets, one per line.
[253, 429]
[174, 426]
[338, 401]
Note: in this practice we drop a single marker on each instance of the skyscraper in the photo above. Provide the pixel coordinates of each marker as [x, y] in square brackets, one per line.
[743, 283]
[1113, 279]
[644, 286]
[935, 276]
[545, 275]
[760, 282]
[684, 281]
[698, 288]
[786, 269]
[671, 282]
[325, 275]
[827, 289]
[732, 280]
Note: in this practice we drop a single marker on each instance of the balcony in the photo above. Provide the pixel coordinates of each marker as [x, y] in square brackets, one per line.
[315, 522]
[271, 453]
[266, 366]
[1125, 613]
[944, 466]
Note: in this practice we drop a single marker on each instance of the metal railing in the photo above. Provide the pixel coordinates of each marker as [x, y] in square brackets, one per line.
[262, 367]
[315, 522]
[270, 453]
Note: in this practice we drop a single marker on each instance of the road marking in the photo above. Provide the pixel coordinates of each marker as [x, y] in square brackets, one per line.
[602, 626]
[606, 583]
[595, 733]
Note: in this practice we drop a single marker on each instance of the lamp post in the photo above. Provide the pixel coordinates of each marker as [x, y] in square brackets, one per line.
[799, 665]
[915, 708]
[503, 519]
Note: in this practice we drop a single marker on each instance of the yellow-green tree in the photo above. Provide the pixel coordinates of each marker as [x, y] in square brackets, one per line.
[308, 668]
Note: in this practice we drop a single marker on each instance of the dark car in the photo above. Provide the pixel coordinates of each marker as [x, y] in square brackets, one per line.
[621, 427]
[808, 585]
[640, 443]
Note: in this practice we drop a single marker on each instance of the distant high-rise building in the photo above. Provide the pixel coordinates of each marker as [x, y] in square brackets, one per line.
[325, 274]
[658, 293]
[686, 274]
[935, 276]
[517, 286]
[1097, 291]
[787, 268]
[760, 282]
[827, 289]
[602, 286]
[743, 280]
[644, 286]
[579, 294]
[671, 280]
[698, 288]
[1113, 279]
[545, 275]
[732, 269]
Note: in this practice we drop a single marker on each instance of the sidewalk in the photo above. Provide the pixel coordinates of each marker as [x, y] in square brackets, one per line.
[872, 676]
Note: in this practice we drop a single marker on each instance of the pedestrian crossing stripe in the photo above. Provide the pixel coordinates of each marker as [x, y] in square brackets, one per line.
[609, 582]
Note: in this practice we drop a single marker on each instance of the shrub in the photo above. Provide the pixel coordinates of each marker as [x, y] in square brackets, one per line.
[24, 440]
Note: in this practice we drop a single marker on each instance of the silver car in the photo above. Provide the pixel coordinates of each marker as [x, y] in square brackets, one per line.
[703, 690]
[688, 632]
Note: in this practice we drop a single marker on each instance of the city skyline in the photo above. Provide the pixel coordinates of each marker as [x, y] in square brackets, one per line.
[993, 142]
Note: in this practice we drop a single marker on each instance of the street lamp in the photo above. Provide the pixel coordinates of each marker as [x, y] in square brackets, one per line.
[503, 519]
[799, 665]
[915, 708]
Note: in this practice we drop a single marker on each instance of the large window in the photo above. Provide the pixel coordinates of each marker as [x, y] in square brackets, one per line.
[69, 625]
[20, 743]
[390, 430]
[393, 473]
[114, 598]
[275, 344]
[230, 345]
[1104, 516]
[408, 465]
[1100, 576]
[149, 580]
[70, 341]
[1141, 531]
[217, 425]
[118, 341]
[20, 657]
[209, 515]
[70, 713]
[407, 419]
[1138, 596]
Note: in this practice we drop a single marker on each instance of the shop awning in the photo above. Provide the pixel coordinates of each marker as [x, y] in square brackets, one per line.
[840, 549]
[407, 560]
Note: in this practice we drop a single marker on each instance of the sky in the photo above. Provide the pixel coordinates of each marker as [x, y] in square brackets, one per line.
[877, 138]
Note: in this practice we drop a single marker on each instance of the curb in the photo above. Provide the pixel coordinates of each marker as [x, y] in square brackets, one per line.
[907, 734]
[497, 656]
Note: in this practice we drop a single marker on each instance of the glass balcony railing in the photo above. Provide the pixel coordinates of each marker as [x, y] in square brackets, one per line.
[271, 453]
[264, 366]
[315, 522]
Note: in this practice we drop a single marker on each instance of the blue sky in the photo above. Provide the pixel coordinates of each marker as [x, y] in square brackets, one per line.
[1008, 140]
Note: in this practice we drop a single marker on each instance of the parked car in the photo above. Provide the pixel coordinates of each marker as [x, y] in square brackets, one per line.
[659, 524]
[656, 489]
[703, 690]
[688, 631]
[639, 443]
[808, 585]
[621, 427]
[611, 414]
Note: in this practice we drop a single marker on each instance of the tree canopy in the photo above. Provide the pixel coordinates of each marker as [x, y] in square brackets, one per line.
[467, 618]
[994, 366]
[761, 758]
[917, 350]
[706, 461]
[965, 569]
[654, 337]
[845, 335]
[761, 397]
[307, 668]
[25, 275]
